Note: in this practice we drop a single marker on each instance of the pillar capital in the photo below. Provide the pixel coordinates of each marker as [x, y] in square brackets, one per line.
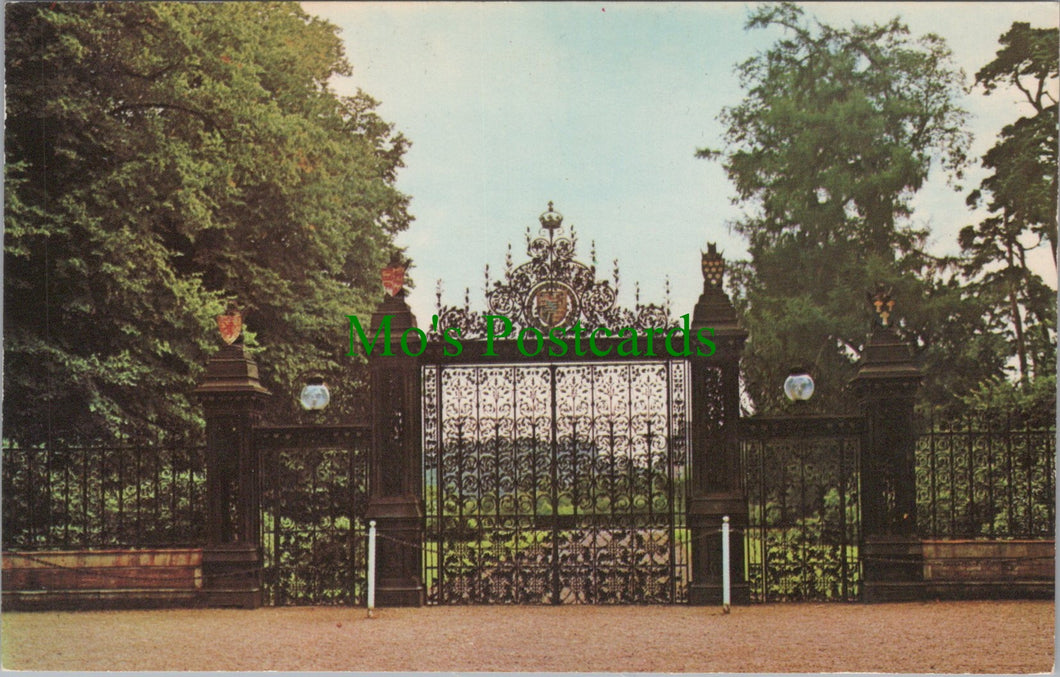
[887, 366]
[397, 307]
[232, 372]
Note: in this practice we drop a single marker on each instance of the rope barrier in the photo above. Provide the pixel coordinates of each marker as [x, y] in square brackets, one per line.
[434, 547]
[407, 544]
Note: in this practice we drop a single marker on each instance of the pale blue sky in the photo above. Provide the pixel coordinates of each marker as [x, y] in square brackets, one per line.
[600, 107]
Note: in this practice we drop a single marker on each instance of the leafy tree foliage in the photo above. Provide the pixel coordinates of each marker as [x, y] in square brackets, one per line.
[162, 160]
[838, 130]
[1021, 197]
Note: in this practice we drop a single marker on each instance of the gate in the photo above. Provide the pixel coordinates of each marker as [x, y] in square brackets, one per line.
[555, 477]
[802, 476]
[556, 483]
[313, 504]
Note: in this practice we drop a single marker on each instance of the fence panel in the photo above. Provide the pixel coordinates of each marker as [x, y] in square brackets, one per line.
[802, 479]
[92, 496]
[985, 480]
[314, 534]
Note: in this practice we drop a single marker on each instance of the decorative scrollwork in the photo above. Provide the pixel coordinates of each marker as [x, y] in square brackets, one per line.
[552, 289]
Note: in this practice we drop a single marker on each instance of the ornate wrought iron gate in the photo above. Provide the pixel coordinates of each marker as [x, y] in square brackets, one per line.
[556, 483]
[802, 477]
[313, 502]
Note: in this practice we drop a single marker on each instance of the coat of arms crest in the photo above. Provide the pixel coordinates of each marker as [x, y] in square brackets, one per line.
[551, 305]
[393, 279]
[230, 325]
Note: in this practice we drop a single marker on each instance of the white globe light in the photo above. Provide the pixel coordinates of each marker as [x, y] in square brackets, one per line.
[315, 395]
[798, 387]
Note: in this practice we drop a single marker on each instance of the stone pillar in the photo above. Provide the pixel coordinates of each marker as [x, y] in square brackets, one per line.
[395, 487]
[885, 387]
[232, 400]
[717, 476]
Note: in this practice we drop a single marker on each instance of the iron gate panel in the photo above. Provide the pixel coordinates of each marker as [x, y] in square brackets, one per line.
[556, 483]
[802, 479]
[314, 538]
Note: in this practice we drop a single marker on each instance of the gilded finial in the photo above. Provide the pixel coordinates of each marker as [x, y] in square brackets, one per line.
[713, 267]
[882, 303]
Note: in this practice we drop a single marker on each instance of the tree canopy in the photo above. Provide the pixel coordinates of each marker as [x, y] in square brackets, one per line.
[838, 130]
[1020, 195]
[164, 159]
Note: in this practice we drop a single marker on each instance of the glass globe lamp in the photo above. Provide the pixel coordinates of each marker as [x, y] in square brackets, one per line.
[798, 386]
[315, 395]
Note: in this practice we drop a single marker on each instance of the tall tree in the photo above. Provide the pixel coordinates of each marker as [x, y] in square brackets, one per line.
[1020, 196]
[838, 130]
[162, 160]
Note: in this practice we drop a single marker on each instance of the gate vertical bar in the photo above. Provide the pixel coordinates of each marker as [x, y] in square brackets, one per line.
[671, 441]
[717, 487]
[843, 521]
[439, 493]
[276, 551]
[554, 468]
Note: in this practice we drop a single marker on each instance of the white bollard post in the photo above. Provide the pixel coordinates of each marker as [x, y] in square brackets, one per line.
[725, 564]
[371, 567]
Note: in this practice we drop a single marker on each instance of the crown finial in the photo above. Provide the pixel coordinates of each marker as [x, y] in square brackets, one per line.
[551, 219]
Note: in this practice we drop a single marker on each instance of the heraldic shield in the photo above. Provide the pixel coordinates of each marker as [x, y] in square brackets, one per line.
[230, 325]
[393, 279]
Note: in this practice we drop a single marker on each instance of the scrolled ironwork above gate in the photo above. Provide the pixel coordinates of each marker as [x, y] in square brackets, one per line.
[552, 289]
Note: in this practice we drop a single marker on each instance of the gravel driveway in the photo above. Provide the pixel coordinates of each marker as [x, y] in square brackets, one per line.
[1003, 636]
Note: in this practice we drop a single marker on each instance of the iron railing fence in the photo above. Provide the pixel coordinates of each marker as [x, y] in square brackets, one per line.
[145, 494]
[986, 479]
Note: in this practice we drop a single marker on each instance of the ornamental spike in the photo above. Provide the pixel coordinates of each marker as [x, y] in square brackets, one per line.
[667, 296]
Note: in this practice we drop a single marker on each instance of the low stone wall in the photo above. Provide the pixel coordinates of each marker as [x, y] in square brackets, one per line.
[899, 569]
[988, 569]
[94, 579]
